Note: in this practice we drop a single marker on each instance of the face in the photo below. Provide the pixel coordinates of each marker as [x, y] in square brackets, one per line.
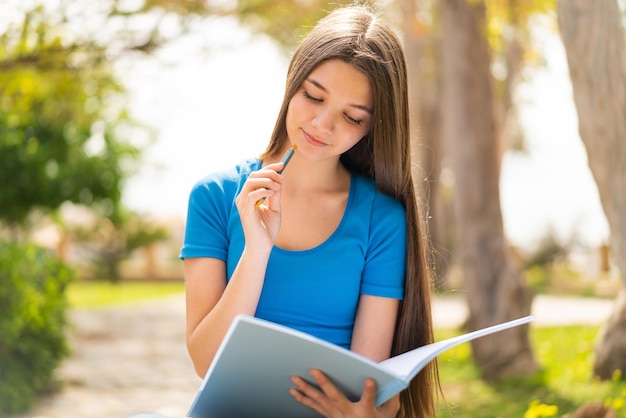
[331, 111]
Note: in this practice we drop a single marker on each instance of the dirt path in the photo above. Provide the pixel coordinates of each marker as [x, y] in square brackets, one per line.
[126, 360]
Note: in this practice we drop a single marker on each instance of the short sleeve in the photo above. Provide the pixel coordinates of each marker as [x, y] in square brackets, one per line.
[385, 260]
[207, 222]
[211, 204]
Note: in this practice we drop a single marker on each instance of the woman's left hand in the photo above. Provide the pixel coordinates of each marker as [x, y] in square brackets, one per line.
[331, 403]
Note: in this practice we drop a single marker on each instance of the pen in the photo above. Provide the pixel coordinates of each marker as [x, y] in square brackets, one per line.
[283, 160]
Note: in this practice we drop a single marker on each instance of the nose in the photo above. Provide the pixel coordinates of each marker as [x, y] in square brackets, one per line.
[323, 121]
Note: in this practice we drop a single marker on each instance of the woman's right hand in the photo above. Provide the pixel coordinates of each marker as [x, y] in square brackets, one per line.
[330, 402]
[261, 223]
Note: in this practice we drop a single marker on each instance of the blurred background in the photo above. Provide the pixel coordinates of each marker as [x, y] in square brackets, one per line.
[110, 111]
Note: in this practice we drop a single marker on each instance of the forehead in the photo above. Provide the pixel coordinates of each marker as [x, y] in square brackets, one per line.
[343, 81]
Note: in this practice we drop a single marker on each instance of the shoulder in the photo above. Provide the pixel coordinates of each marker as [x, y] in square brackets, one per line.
[209, 211]
[219, 189]
[226, 181]
[381, 203]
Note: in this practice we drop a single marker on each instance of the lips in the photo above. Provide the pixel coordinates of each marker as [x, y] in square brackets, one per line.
[313, 140]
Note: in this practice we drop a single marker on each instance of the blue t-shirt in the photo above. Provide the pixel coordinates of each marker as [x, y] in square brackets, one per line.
[315, 290]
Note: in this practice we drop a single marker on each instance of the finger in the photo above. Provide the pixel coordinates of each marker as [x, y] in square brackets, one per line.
[307, 395]
[306, 401]
[259, 189]
[334, 399]
[265, 182]
[276, 167]
[264, 195]
[263, 179]
[267, 178]
[272, 171]
[327, 386]
[368, 398]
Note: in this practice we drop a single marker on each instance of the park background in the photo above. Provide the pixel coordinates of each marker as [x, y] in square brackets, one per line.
[214, 106]
[210, 97]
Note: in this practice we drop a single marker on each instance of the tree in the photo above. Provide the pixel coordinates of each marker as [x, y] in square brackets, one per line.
[593, 35]
[285, 21]
[61, 134]
[509, 36]
[505, 25]
[494, 286]
[64, 132]
[422, 46]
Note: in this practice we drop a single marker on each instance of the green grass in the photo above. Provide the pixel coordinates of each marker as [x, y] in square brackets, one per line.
[85, 294]
[564, 383]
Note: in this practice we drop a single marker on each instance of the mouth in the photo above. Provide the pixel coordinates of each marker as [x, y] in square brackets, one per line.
[313, 140]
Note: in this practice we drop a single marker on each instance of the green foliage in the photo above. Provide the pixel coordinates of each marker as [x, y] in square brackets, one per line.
[565, 382]
[32, 324]
[62, 132]
[549, 250]
[286, 21]
[538, 279]
[560, 278]
[503, 15]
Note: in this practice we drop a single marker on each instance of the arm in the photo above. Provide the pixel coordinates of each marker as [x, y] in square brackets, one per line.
[382, 283]
[374, 327]
[211, 304]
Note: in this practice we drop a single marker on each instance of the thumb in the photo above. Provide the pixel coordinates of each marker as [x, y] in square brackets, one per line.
[368, 398]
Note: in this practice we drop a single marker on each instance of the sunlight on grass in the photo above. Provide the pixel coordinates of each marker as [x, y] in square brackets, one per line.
[564, 383]
[85, 294]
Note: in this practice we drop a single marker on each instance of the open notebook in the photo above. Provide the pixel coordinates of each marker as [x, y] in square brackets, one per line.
[250, 376]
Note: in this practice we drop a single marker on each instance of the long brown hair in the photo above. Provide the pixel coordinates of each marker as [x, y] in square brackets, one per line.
[356, 35]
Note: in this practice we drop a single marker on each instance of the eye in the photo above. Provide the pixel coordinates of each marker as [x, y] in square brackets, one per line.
[308, 96]
[353, 121]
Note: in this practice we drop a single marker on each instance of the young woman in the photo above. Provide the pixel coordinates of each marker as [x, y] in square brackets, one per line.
[333, 245]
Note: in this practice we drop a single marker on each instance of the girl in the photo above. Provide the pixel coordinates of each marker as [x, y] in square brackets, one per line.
[332, 246]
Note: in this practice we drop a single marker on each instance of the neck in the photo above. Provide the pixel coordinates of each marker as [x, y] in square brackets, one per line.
[316, 175]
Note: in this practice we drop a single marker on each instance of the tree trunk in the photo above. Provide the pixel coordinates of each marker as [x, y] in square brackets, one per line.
[494, 289]
[593, 36]
[422, 55]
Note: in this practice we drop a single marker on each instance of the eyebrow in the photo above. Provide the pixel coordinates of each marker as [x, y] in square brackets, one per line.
[357, 106]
